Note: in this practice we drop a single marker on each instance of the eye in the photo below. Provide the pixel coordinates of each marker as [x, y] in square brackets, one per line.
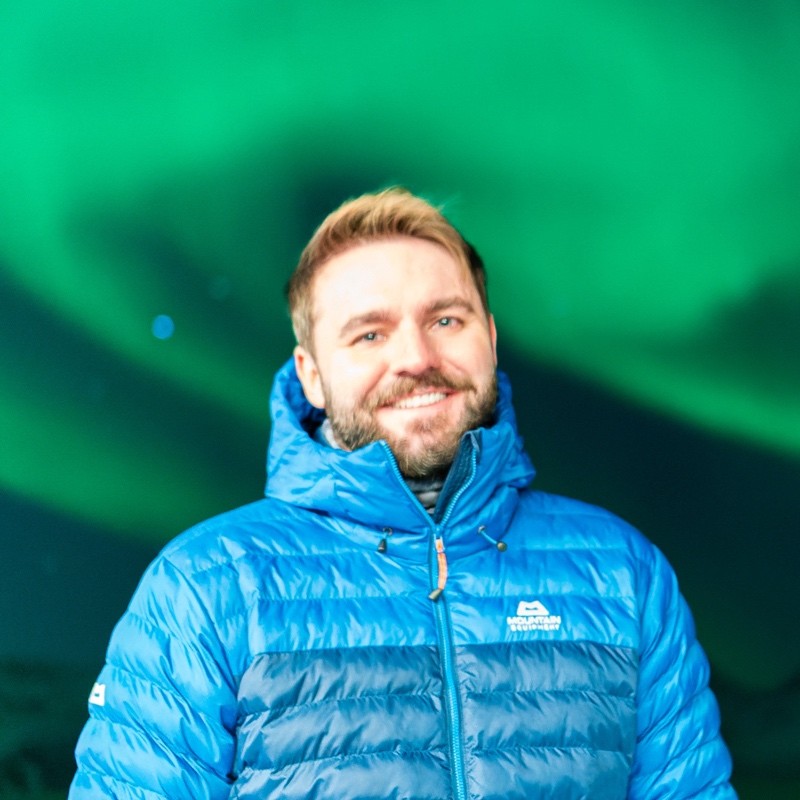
[370, 336]
[447, 322]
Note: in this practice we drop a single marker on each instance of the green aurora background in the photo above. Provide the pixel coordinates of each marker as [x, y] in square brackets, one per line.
[631, 175]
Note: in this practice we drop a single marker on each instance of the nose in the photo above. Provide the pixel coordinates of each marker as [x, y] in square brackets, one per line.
[414, 352]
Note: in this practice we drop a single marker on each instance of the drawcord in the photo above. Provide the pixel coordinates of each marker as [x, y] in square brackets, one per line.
[383, 544]
[500, 545]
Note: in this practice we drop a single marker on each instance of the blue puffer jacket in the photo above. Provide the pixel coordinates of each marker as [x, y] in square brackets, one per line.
[291, 649]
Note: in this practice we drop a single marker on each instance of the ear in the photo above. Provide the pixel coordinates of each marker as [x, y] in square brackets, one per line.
[309, 376]
[493, 334]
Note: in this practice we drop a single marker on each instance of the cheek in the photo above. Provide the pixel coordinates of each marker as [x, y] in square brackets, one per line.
[474, 356]
[353, 377]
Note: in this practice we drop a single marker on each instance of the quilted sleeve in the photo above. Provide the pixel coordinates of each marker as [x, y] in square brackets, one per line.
[162, 710]
[679, 753]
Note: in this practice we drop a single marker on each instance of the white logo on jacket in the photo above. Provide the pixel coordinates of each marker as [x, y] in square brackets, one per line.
[531, 609]
[533, 616]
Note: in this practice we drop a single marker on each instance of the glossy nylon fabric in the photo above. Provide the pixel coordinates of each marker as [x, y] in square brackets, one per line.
[274, 652]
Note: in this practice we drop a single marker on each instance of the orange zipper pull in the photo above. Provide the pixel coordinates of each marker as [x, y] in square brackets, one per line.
[441, 563]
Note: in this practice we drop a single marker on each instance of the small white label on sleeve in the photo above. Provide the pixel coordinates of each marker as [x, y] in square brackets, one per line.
[98, 695]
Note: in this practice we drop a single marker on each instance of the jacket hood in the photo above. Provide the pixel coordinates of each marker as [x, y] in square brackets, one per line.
[365, 485]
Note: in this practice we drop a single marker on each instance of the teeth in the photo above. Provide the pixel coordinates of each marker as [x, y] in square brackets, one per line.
[420, 400]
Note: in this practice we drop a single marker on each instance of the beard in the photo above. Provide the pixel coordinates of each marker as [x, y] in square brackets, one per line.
[428, 446]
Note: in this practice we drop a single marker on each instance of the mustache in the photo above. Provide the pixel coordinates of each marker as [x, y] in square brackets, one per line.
[431, 379]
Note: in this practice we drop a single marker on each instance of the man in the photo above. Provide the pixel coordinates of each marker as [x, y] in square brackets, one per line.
[401, 616]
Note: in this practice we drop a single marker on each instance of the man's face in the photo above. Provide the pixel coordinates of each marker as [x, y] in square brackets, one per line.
[403, 351]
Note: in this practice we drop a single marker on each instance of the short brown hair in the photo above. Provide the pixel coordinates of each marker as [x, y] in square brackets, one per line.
[373, 217]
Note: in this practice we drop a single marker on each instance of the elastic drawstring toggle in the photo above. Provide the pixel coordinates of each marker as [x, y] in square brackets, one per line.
[499, 544]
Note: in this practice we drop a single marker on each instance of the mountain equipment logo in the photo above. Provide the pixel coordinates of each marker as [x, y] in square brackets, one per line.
[533, 609]
[533, 616]
[98, 695]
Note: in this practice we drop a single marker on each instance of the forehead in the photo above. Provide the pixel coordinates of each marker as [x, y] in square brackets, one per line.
[400, 271]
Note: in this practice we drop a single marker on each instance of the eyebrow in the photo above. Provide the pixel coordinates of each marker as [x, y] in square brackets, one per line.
[454, 303]
[380, 316]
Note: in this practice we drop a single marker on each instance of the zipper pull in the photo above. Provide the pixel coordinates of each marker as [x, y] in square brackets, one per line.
[441, 563]
[383, 544]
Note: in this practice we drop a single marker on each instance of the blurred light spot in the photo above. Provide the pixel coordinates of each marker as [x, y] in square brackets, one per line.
[163, 327]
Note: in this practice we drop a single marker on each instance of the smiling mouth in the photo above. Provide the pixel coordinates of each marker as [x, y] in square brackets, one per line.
[420, 400]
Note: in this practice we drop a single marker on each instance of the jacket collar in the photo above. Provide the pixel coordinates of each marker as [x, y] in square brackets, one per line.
[365, 486]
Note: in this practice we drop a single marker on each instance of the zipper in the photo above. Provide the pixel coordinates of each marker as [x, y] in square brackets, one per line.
[451, 704]
[438, 568]
[451, 698]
